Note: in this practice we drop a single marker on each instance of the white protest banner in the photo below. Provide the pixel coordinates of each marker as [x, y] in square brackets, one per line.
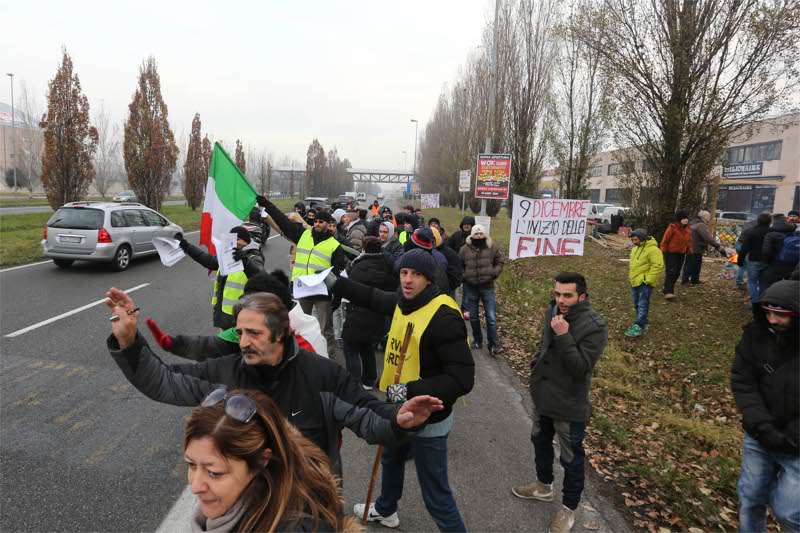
[227, 264]
[430, 201]
[547, 227]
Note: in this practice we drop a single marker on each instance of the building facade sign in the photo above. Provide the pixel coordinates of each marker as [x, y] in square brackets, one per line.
[743, 169]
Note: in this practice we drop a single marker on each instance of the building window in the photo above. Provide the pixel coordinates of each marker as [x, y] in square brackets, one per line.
[596, 171]
[754, 152]
[615, 169]
[648, 165]
[614, 196]
[746, 198]
[594, 196]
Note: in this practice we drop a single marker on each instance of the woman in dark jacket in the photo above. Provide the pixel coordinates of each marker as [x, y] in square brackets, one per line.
[364, 328]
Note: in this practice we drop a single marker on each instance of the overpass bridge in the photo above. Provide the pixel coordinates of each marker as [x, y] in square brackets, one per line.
[358, 175]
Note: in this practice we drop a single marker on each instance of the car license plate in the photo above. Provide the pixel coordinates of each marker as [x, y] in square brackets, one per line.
[70, 238]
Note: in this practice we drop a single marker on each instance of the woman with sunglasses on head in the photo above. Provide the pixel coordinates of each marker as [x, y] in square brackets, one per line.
[252, 471]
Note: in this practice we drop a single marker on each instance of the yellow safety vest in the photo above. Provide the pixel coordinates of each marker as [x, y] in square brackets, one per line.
[233, 290]
[403, 237]
[397, 332]
[311, 258]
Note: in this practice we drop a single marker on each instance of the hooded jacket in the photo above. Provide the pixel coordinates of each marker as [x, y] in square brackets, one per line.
[646, 265]
[318, 396]
[458, 238]
[356, 233]
[677, 239]
[252, 266]
[481, 265]
[752, 243]
[302, 207]
[362, 325]
[447, 370]
[701, 236]
[561, 369]
[766, 371]
[773, 240]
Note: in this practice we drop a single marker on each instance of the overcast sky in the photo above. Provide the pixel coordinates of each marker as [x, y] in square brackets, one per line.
[275, 74]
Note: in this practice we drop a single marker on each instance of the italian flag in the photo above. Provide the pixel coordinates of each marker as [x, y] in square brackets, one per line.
[229, 199]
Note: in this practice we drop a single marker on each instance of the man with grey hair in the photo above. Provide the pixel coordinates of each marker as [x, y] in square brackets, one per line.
[356, 229]
[315, 394]
[701, 240]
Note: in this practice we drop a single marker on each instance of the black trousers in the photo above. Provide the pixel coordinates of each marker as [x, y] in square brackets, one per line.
[673, 262]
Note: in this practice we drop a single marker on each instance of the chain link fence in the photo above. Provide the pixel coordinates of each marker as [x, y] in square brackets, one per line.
[727, 231]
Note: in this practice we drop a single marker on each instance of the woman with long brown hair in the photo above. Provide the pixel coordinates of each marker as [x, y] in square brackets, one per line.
[252, 471]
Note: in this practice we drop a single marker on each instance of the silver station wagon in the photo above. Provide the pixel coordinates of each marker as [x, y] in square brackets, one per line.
[104, 232]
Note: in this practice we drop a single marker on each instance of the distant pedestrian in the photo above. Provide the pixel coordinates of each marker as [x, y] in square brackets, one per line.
[410, 225]
[251, 470]
[750, 254]
[743, 230]
[455, 266]
[676, 245]
[765, 379]
[645, 268]
[392, 249]
[780, 251]
[364, 328]
[421, 218]
[356, 229]
[701, 240]
[375, 208]
[459, 237]
[433, 222]
[483, 264]
[573, 340]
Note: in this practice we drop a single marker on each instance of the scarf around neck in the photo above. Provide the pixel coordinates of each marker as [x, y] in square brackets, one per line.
[222, 524]
[422, 299]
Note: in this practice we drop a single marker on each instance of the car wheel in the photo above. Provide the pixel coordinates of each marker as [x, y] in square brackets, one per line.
[177, 236]
[122, 259]
[63, 263]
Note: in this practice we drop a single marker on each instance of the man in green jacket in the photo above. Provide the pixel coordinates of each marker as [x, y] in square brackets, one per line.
[646, 265]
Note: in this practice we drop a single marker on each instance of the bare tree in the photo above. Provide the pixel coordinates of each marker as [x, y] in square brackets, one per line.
[580, 106]
[30, 151]
[240, 159]
[106, 160]
[687, 75]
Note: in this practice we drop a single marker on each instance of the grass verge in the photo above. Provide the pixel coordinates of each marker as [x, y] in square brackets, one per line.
[21, 235]
[664, 427]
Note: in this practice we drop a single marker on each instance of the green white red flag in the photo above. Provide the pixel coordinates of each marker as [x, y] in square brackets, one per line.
[229, 199]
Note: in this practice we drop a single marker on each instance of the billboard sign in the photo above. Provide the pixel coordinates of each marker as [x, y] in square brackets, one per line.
[494, 176]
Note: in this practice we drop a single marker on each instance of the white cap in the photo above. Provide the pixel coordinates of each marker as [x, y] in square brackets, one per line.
[477, 228]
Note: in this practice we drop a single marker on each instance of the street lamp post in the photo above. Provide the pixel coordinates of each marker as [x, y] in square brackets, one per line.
[13, 132]
[416, 128]
[492, 91]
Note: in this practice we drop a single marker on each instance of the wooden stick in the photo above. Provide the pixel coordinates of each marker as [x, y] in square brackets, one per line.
[397, 372]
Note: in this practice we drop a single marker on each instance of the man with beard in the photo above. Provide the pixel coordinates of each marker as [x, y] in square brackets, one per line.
[765, 380]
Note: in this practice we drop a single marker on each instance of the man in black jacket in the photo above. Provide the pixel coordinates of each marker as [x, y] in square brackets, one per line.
[752, 242]
[765, 380]
[773, 242]
[315, 394]
[364, 328]
[458, 238]
[438, 362]
[228, 289]
[573, 340]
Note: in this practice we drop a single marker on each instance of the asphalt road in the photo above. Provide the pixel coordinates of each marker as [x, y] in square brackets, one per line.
[81, 450]
[47, 209]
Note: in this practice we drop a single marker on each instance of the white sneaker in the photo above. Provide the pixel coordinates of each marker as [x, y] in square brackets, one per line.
[387, 521]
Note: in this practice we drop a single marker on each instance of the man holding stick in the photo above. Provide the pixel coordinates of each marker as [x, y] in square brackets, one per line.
[437, 361]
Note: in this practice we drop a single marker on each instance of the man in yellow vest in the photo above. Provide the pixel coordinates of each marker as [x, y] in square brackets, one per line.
[317, 250]
[438, 362]
[228, 289]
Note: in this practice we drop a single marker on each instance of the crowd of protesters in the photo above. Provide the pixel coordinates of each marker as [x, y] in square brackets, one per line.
[275, 388]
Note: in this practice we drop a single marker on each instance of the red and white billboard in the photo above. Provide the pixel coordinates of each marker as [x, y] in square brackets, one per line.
[494, 176]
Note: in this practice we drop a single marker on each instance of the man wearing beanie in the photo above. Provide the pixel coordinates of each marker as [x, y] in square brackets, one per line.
[423, 240]
[645, 268]
[228, 289]
[701, 240]
[410, 225]
[317, 250]
[675, 246]
[483, 263]
[458, 238]
[364, 328]
[765, 377]
[434, 223]
[438, 362]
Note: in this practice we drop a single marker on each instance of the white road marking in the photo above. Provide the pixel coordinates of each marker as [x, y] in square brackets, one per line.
[191, 233]
[178, 517]
[25, 266]
[68, 313]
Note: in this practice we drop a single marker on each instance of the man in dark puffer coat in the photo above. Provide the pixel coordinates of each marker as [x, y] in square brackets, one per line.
[364, 328]
[765, 380]
[458, 238]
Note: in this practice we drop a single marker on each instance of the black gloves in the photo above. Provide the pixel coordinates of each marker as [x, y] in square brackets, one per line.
[722, 252]
[183, 243]
[774, 440]
[240, 255]
[262, 201]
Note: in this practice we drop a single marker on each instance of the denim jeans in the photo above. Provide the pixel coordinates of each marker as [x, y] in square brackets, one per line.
[755, 280]
[359, 358]
[673, 262]
[641, 302]
[570, 441]
[473, 296]
[741, 271]
[768, 479]
[430, 458]
[691, 268]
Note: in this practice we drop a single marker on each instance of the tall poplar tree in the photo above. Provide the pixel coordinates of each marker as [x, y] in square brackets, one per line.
[195, 170]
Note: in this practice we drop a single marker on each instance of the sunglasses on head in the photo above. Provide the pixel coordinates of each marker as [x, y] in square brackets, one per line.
[238, 406]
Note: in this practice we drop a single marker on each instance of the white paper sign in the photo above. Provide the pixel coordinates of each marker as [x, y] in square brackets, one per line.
[169, 250]
[542, 227]
[464, 180]
[311, 284]
[430, 201]
[486, 222]
[225, 248]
